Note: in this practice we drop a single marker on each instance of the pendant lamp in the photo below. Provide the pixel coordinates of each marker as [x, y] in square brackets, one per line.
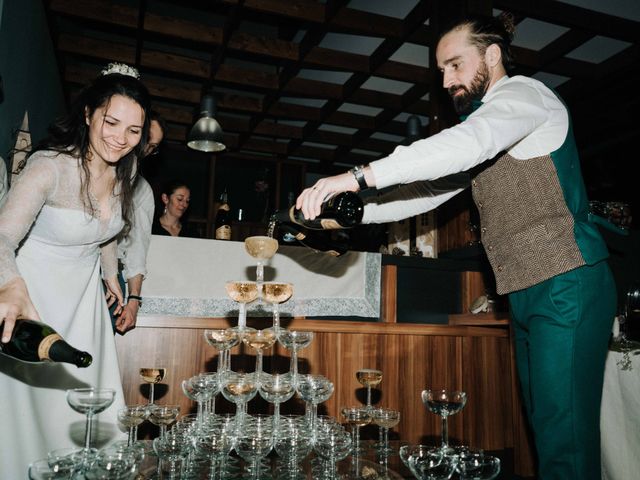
[206, 133]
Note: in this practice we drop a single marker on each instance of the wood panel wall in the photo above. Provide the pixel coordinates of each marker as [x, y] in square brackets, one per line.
[476, 359]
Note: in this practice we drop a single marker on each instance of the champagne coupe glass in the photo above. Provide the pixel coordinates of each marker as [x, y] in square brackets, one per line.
[216, 440]
[261, 248]
[259, 340]
[172, 447]
[356, 417]
[276, 389]
[294, 341]
[444, 403]
[427, 463]
[477, 466]
[223, 340]
[201, 388]
[313, 389]
[152, 376]
[385, 418]
[292, 444]
[242, 292]
[239, 388]
[332, 446]
[130, 417]
[163, 415]
[369, 377]
[90, 401]
[252, 445]
[276, 293]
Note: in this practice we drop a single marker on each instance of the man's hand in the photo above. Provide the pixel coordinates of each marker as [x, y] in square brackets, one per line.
[114, 294]
[127, 319]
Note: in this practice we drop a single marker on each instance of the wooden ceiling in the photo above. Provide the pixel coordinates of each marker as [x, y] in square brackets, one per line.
[328, 84]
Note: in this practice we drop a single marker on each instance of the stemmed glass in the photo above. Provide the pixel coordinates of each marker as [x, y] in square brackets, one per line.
[90, 401]
[201, 388]
[172, 447]
[276, 389]
[252, 445]
[261, 248]
[163, 415]
[294, 341]
[242, 292]
[292, 443]
[259, 340]
[276, 293]
[332, 446]
[427, 463]
[223, 340]
[239, 388]
[215, 439]
[130, 417]
[369, 377]
[356, 417]
[477, 466]
[313, 389]
[444, 403]
[152, 376]
[385, 418]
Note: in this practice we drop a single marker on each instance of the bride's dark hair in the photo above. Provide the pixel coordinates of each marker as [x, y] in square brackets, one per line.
[70, 134]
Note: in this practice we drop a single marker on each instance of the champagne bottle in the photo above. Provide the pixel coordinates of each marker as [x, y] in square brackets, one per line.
[318, 241]
[223, 219]
[33, 341]
[343, 210]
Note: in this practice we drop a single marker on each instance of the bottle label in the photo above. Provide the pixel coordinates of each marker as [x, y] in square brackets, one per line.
[330, 224]
[223, 232]
[45, 345]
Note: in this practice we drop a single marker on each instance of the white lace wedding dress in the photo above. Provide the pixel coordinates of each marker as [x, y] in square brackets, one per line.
[59, 259]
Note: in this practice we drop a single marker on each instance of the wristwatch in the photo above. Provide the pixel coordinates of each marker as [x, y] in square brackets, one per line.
[358, 172]
[136, 297]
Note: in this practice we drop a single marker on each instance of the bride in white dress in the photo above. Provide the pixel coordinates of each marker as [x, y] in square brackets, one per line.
[57, 230]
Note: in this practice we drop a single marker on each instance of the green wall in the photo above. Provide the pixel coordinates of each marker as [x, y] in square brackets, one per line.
[29, 71]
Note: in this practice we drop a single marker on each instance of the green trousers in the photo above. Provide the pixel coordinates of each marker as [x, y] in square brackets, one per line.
[562, 329]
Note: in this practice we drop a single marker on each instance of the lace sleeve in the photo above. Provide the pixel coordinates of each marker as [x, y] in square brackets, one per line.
[35, 185]
[109, 259]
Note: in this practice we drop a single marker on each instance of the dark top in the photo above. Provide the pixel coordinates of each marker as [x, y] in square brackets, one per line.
[187, 230]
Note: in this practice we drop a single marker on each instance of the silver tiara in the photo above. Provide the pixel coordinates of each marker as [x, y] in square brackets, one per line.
[122, 69]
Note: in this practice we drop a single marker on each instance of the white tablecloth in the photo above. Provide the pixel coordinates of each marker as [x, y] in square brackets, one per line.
[620, 418]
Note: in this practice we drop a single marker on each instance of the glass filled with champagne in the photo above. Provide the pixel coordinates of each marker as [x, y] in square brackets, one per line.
[152, 375]
[261, 248]
[369, 377]
[242, 292]
[276, 293]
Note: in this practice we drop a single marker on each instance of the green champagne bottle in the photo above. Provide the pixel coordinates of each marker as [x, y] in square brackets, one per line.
[33, 341]
[343, 210]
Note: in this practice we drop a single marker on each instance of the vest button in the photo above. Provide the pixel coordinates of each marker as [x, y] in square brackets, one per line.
[474, 183]
[484, 229]
[499, 268]
[479, 204]
[490, 248]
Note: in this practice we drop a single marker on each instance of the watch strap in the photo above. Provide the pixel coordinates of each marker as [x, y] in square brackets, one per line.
[358, 173]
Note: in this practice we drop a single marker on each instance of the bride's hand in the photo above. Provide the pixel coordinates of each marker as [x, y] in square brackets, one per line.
[15, 303]
[114, 294]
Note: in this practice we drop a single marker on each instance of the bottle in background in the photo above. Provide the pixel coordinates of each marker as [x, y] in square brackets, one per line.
[33, 341]
[343, 210]
[223, 219]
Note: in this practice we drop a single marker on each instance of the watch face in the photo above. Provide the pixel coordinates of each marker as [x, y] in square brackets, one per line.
[480, 304]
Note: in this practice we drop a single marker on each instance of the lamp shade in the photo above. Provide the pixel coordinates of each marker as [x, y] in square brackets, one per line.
[206, 133]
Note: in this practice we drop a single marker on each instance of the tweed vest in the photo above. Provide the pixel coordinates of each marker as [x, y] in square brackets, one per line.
[534, 225]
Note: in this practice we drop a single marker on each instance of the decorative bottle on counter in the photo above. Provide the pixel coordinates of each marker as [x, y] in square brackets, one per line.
[223, 219]
[343, 210]
[33, 341]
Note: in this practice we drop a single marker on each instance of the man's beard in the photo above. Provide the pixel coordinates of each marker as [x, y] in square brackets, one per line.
[463, 103]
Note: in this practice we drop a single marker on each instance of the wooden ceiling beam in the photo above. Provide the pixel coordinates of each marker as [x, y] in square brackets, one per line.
[571, 16]
[564, 44]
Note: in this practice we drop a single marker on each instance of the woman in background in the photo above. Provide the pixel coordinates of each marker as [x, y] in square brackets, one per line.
[175, 198]
[57, 233]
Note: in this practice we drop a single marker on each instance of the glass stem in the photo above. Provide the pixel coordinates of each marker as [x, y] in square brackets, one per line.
[151, 392]
[131, 438]
[294, 364]
[242, 317]
[200, 412]
[259, 361]
[445, 432]
[276, 414]
[276, 318]
[259, 273]
[368, 397]
[385, 442]
[87, 432]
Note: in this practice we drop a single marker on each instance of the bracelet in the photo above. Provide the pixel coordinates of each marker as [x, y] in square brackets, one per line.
[136, 297]
[358, 172]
